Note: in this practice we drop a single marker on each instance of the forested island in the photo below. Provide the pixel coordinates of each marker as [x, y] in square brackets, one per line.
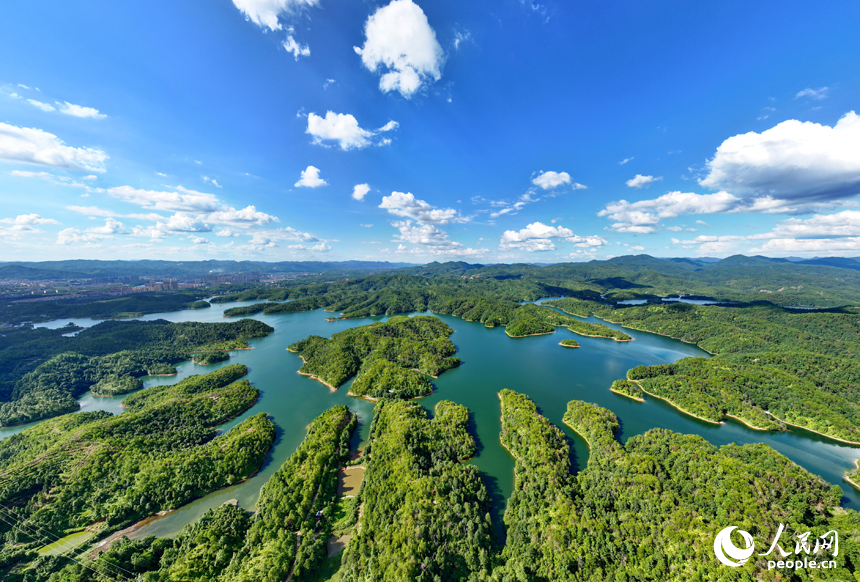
[647, 509]
[389, 359]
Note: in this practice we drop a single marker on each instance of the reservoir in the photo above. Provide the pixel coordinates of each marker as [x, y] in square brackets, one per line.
[536, 366]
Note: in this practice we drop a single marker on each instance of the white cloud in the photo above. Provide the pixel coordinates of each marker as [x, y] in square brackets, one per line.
[549, 180]
[512, 208]
[340, 127]
[537, 237]
[28, 220]
[198, 240]
[80, 111]
[182, 200]
[637, 248]
[246, 217]
[42, 106]
[226, 232]
[638, 181]
[328, 82]
[212, 181]
[839, 224]
[343, 128]
[366, 225]
[295, 48]
[264, 13]
[405, 204]
[112, 226]
[800, 162]
[400, 40]
[90, 177]
[624, 161]
[34, 146]
[460, 38]
[359, 191]
[420, 234]
[644, 216]
[73, 236]
[322, 248]
[310, 179]
[815, 94]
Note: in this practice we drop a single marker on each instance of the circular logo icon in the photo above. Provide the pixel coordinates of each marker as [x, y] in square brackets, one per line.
[724, 547]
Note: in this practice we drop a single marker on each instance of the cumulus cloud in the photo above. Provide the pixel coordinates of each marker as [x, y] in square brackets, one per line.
[405, 204]
[226, 232]
[400, 41]
[111, 226]
[28, 220]
[644, 216]
[430, 240]
[245, 218]
[342, 128]
[538, 237]
[359, 191]
[310, 179]
[79, 110]
[797, 162]
[34, 146]
[265, 13]
[550, 180]
[180, 200]
[638, 181]
[295, 48]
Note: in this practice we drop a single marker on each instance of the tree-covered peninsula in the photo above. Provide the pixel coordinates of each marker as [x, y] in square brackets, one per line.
[284, 539]
[423, 515]
[388, 359]
[649, 510]
[101, 472]
[42, 372]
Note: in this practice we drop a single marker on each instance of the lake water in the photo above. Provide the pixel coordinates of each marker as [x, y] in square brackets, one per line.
[537, 366]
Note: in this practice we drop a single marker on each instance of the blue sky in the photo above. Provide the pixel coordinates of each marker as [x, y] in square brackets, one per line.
[481, 131]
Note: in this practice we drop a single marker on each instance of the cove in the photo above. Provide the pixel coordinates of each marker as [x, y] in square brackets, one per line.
[536, 366]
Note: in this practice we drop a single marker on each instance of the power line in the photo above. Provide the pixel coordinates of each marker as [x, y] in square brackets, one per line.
[34, 532]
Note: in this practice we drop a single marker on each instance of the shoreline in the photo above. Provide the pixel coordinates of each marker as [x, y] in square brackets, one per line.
[816, 432]
[745, 423]
[587, 442]
[567, 346]
[627, 395]
[601, 336]
[847, 478]
[528, 334]
[673, 405]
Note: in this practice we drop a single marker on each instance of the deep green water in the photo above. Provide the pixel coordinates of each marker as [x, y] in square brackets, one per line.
[537, 366]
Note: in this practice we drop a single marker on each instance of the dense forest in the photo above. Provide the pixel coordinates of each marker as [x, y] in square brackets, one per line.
[424, 515]
[283, 539]
[649, 510]
[102, 472]
[42, 372]
[388, 359]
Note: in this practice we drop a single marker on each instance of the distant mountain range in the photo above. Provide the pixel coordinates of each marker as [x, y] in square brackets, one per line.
[78, 269]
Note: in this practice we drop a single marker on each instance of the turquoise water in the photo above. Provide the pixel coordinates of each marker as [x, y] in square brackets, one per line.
[537, 366]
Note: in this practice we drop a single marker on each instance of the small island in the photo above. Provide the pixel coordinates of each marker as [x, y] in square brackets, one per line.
[206, 358]
[568, 343]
